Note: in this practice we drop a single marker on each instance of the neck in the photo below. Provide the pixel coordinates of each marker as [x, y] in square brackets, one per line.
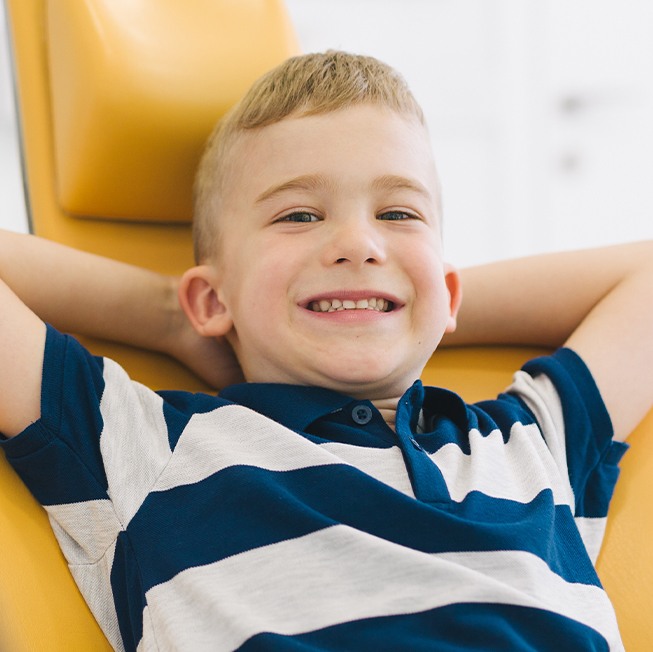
[388, 409]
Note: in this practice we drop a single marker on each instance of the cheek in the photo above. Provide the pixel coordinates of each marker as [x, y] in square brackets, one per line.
[261, 287]
[425, 267]
[431, 292]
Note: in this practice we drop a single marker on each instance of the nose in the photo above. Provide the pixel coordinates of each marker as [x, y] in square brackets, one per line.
[355, 242]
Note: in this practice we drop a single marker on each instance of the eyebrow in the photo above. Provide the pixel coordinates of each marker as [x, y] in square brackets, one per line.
[305, 182]
[396, 182]
[313, 182]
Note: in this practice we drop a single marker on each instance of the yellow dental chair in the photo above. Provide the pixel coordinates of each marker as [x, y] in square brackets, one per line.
[115, 100]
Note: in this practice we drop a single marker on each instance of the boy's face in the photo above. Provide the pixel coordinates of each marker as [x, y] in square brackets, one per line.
[327, 212]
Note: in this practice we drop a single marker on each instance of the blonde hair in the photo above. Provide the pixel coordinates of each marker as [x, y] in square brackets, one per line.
[310, 84]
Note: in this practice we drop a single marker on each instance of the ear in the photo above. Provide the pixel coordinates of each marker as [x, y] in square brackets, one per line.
[454, 286]
[200, 299]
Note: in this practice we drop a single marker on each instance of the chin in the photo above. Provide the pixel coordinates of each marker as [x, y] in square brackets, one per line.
[379, 370]
[366, 384]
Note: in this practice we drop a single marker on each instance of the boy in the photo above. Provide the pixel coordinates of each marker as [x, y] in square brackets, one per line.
[330, 502]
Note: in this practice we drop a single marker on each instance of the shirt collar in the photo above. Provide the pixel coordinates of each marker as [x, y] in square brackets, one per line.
[297, 406]
[294, 406]
[443, 402]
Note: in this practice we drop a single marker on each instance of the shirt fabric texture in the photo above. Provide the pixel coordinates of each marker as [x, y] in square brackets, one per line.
[277, 517]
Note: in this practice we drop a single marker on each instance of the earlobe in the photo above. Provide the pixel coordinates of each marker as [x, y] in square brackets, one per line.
[454, 286]
[200, 300]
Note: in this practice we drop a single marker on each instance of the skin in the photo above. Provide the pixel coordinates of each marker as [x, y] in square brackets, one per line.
[336, 206]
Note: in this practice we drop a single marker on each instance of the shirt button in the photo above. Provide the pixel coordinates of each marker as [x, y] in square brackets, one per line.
[362, 414]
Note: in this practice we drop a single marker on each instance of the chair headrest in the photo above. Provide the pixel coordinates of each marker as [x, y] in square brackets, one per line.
[136, 87]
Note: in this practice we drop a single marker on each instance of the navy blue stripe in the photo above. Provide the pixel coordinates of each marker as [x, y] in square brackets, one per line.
[296, 406]
[469, 627]
[127, 592]
[81, 387]
[56, 476]
[241, 508]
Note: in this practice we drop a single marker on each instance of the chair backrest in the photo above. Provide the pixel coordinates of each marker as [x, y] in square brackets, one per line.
[115, 100]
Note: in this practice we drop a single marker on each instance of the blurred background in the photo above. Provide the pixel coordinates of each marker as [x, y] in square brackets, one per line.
[540, 112]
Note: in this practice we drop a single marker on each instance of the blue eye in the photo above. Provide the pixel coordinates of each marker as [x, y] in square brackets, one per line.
[396, 216]
[299, 216]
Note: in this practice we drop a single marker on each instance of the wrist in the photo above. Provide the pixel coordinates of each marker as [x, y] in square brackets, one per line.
[175, 325]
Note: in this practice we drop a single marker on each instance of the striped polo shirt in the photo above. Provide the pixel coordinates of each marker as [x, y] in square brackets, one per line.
[277, 517]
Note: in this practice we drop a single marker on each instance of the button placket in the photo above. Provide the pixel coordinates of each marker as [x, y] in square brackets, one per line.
[425, 477]
[415, 444]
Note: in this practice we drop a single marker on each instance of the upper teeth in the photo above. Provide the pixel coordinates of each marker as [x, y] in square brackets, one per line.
[333, 305]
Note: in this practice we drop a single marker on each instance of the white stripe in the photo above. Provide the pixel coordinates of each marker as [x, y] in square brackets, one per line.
[516, 470]
[385, 464]
[94, 583]
[592, 531]
[148, 642]
[339, 575]
[134, 441]
[234, 435]
[541, 396]
[94, 524]
[539, 587]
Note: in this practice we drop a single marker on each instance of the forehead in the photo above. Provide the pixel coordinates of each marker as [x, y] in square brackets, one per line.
[364, 144]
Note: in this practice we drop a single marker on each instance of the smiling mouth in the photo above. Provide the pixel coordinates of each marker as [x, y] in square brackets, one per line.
[376, 304]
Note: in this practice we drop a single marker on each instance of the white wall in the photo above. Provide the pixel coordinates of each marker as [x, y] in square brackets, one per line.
[12, 206]
[541, 113]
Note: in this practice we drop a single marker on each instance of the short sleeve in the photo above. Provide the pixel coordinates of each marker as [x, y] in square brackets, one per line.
[58, 457]
[96, 451]
[560, 392]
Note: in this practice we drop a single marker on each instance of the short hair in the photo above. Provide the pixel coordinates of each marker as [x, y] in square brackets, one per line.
[304, 85]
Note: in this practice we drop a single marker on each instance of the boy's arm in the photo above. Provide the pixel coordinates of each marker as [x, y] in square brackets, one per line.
[22, 340]
[597, 302]
[87, 294]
